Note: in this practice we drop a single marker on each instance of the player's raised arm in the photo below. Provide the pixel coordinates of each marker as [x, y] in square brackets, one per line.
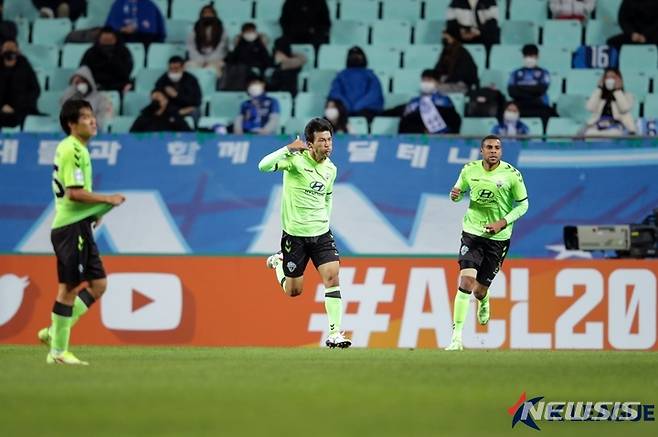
[276, 160]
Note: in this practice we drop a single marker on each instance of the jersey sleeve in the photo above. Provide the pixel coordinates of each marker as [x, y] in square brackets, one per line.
[71, 169]
[280, 159]
[518, 188]
[520, 196]
[328, 198]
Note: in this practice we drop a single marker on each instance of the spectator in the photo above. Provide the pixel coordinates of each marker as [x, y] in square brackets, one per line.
[19, 87]
[287, 66]
[137, 21]
[110, 61]
[510, 124]
[611, 107]
[306, 22]
[182, 89]
[357, 86]
[431, 112]
[60, 8]
[159, 117]
[82, 86]
[456, 68]
[528, 86]
[250, 49]
[335, 112]
[207, 45]
[572, 9]
[637, 19]
[474, 21]
[259, 114]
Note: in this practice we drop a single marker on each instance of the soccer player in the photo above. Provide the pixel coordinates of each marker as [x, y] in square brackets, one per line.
[79, 268]
[498, 198]
[308, 181]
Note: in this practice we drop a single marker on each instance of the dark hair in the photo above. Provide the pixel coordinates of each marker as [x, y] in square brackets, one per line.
[530, 50]
[176, 60]
[491, 137]
[317, 124]
[70, 113]
[248, 26]
[201, 37]
[431, 74]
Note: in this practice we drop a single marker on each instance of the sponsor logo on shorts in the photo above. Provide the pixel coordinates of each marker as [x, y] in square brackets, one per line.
[463, 250]
[287, 246]
[291, 266]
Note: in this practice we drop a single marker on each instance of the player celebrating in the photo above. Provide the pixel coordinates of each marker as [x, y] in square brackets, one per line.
[308, 181]
[498, 198]
[79, 267]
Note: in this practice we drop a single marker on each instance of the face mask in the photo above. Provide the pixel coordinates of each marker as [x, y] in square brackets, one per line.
[175, 77]
[510, 116]
[427, 87]
[10, 56]
[530, 61]
[82, 88]
[255, 89]
[610, 83]
[331, 114]
[250, 36]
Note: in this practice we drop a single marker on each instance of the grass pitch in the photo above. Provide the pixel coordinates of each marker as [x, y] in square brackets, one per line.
[311, 392]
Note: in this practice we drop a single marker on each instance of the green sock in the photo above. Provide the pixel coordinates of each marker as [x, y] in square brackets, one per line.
[334, 307]
[280, 276]
[62, 319]
[81, 305]
[460, 310]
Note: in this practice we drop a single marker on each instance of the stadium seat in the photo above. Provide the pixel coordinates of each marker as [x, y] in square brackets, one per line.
[507, 57]
[145, 79]
[555, 58]
[383, 58]
[48, 102]
[573, 106]
[597, 32]
[519, 32]
[98, 9]
[23, 31]
[555, 87]
[358, 125]
[408, 10]
[535, 125]
[458, 100]
[638, 57]
[385, 125]
[294, 126]
[38, 123]
[651, 106]
[528, 10]
[42, 56]
[436, 9]
[308, 105]
[333, 9]
[163, 5]
[367, 10]
[479, 55]
[269, 9]
[478, 125]
[14, 9]
[384, 79]
[88, 22]
[115, 98]
[319, 81]
[406, 80]
[332, 56]
[308, 51]
[159, 54]
[59, 78]
[226, 103]
[428, 31]
[285, 105]
[391, 100]
[499, 78]
[189, 9]
[121, 125]
[637, 83]
[211, 122]
[50, 30]
[564, 33]
[42, 78]
[349, 32]
[421, 56]
[271, 29]
[72, 54]
[178, 30]
[391, 32]
[583, 81]
[207, 78]
[134, 102]
[139, 55]
[608, 10]
[563, 126]
[236, 9]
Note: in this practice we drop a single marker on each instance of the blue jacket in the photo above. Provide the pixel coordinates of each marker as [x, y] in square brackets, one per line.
[501, 129]
[358, 89]
[529, 85]
[256, 112]
[143, 13]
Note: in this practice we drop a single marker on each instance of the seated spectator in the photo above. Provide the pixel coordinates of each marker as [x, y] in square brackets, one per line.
[182, 89]
[335, 112]
[358, 87]
[60, 8]
[82, 86]
[528, 86]
[306, 22]
[250, 49]
[611, 107]
[137, 21]
[637, 19]
[110, 61]
[259, 114]
[287, 66]
[19, 87]
[572, 9]
[207, 45]
[474, 21]
[456, 68]
[430, 113]
[510, 124]
[159, 117]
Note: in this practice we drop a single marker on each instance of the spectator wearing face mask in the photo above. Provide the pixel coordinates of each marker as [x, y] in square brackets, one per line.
[358, 87]
[529, 84]
[335, 112]
[306, 21]
[110, 61]
[250, 49]
[158, 116]
[259, 114]
[611, 107]
[19, 87]
[510, 124]
[456, 68]
[82, 86]
[182, 89]
[207, 45]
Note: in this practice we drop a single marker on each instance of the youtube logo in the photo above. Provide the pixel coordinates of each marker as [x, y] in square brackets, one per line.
[142, 302]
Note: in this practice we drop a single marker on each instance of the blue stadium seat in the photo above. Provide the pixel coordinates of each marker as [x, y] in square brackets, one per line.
[48, 102]
[178, 30]
[583, 81]
[236, 9]
[421, 56]
[392, 100]
[59, 78]
[139, 55]
[428, 31]
[37, 123]
[563, 126]
[43, 56]
[401, 10]
[308, 51]
[564, 33]
[146, 78]
[72, 54]
[638, 57]
[528, 10]
[285, 105]
[477, 125]
[436, 9]
[358, 125]
[651, 106]
[597, 32]
[406, 81]
[391, 32]
[207, 78]
[385, 125]
[319, 81]
[159, 54]
[189, 9]
[50, 30]
[269, 9]
[367, 10]
[226, 103]
[308, 105]
[479, 55]
[507, 57]
[121, 125]
[519, 32]
[14, 9]
[608, 10]
[352, 32]
[134, 102]
[573, 106]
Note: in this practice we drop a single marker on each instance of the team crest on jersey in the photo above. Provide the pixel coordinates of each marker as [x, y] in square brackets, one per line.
[291, 266]
[464, 250]
[499, 183]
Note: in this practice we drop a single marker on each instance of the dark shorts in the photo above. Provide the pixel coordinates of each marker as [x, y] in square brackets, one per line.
[484, 255]
[298, 250]
[77, 254]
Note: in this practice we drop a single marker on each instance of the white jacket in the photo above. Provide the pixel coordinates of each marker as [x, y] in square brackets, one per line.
[621, 108]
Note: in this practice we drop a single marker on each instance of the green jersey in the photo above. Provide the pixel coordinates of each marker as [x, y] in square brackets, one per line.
[72, 168]
[307, 191]
[493, 196]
